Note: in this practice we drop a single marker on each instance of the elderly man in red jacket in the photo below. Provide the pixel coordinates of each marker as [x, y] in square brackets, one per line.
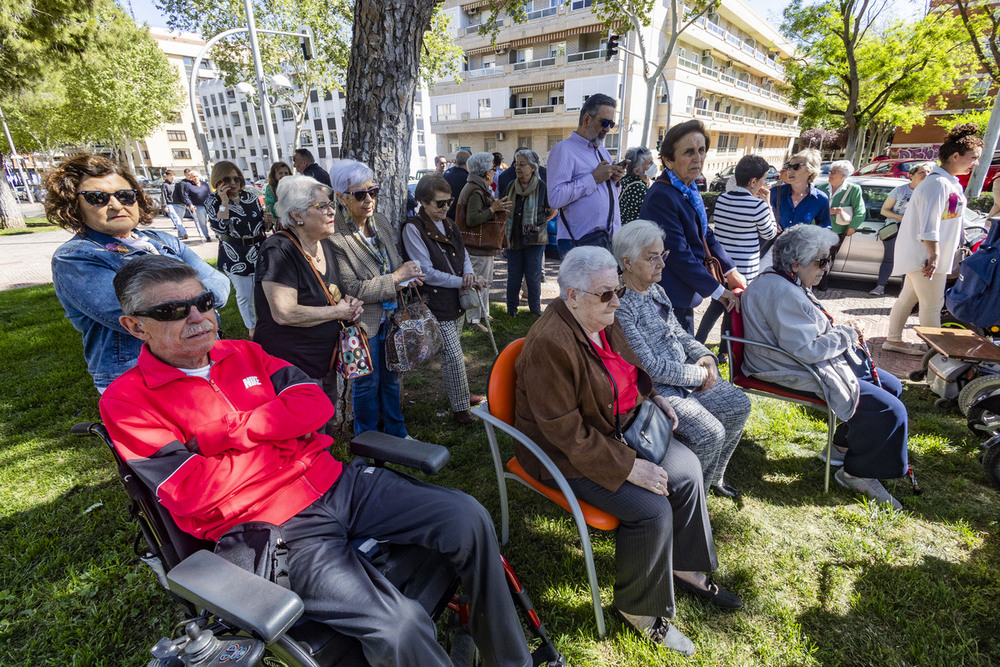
[225, 433]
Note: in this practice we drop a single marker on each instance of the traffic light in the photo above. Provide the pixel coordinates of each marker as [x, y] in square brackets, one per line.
[612, 49]
[306, 41]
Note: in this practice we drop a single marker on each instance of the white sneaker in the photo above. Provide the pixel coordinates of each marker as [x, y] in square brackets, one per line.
[903, 348]
[836, 460]
[878, 291]
[659, 631]
[871, 488]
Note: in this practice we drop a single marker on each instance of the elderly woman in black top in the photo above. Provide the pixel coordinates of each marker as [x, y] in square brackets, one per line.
[433, 241]
[301, 303]
[527, 232]
[235, 214]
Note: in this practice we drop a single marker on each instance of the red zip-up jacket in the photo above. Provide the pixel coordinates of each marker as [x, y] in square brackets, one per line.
[239, 447]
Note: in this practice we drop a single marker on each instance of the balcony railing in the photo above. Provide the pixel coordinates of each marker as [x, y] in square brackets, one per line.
[747, 48]
[740, 83]
[733, 39]
[585, 55]
[710, 71]
[474, 29]
[541, 13]
[442, 117]
[527, 111]
[483, 71]
[687, 63]
[727, 78]
[715, 29]
[535, 64]
[704, 113]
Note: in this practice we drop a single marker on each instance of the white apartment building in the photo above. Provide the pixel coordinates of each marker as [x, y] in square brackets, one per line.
[527, 89]
[174, 146]
[236, 129]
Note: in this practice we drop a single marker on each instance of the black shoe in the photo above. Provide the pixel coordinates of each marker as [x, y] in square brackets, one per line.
[723, 358]
[463, 417]
[724, 491]
[715, 594]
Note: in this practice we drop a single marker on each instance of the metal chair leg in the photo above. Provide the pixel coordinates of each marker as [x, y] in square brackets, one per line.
[501, 482]
[831, 426]
[588, 557]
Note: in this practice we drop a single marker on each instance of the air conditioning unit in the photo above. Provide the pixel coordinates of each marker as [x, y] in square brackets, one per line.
[729, 63]
[707, 53]
[499, 136]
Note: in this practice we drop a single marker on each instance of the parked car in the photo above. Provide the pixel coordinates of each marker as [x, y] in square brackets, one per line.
[861, 253]
[888, 168]
[719, 182]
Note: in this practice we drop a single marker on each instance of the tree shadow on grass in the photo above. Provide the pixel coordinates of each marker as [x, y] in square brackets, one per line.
[935, 612]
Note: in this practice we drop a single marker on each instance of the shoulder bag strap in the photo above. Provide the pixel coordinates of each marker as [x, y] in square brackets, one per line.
[319, 278]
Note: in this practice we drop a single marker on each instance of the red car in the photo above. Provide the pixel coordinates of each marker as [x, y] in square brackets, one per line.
[901, 169]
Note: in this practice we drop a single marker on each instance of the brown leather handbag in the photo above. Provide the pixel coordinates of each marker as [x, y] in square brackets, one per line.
[487, 236]
[714, 266]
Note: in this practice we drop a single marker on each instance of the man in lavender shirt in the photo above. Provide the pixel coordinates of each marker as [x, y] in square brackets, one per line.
[583, 182]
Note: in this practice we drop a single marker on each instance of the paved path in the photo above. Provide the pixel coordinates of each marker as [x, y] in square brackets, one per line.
[25, 259]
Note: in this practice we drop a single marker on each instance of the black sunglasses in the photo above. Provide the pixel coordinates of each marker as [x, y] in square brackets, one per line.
[361, 194]
[101, 198]
[794, 167]
[171, 311]
[823, 262]
[606, 296]
[608, 123]
[442, 203]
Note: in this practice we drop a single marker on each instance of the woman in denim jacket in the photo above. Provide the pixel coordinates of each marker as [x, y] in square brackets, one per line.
[103, 204]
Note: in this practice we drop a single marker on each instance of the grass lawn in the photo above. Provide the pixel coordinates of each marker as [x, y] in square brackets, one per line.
[827, 579]
[33, 225]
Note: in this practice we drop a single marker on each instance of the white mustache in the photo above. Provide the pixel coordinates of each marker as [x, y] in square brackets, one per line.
[204, 327]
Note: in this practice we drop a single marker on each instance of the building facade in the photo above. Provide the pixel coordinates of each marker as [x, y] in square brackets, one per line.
[528, 87]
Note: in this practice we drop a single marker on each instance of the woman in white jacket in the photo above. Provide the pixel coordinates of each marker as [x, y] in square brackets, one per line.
[779, 309]
[929, 235]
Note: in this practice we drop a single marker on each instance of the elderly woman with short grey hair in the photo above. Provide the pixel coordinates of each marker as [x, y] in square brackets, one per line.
[372, 271]
[577, 376]
[639, 171]
[711, 412]
[482, 220]
[847, 206]
[301, 304]
[527, 232]
[780, 310]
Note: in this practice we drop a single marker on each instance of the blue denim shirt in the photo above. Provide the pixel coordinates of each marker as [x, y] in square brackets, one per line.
[83, 269]
[813, 210]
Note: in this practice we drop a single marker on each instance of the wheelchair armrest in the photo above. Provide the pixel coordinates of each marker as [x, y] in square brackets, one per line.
[252, 603]
[384, 448]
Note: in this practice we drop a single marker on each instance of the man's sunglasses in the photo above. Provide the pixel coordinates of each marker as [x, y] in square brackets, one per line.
[442, 203]
[823, 262]
[794, 167]
[607, 123]
[171, 311]
[361, 194]
[606, 296]
[99, 198]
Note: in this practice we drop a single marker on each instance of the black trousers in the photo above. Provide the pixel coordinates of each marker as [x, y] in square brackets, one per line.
[657, 534]
[345, 591]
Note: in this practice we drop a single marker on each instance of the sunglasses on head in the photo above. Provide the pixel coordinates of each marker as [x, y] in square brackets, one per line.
[606, 296]
[794, 167]
[823, 262]
[361, 194]
[608, 123]
[171, 311]
[101, 198]
[442, 203]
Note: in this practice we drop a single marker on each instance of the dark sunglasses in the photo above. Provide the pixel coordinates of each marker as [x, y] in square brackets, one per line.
[235, 180]
[823, 262]
[608, 123]
[171, 311]
[794, 167]
[361, 194]
[100, 198]
[442, 203]
[606, 296]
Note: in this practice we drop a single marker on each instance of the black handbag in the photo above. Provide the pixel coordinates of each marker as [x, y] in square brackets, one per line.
[650, 432]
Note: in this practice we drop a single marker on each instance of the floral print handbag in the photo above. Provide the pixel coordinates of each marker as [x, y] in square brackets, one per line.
[414, 334]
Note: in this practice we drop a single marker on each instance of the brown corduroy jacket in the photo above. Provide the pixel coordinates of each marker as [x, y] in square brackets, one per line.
[564, 400]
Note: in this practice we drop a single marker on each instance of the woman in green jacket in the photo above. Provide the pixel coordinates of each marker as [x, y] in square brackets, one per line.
[847, 206]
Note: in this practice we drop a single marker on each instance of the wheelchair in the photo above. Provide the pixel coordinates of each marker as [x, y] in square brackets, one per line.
[237, 618]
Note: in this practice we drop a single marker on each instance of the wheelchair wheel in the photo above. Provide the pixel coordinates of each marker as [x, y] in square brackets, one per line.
[976, 389]
[463, 650]
[949, 321]
[984, 416]
[991, 464]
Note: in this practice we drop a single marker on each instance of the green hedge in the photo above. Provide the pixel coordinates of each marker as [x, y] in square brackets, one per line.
[983, 203]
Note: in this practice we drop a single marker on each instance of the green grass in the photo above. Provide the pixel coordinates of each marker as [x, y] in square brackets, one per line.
[827, 579]
[32, 225]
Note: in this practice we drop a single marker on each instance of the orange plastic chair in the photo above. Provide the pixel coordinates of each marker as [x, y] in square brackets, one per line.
[497, 412]
[734, 342]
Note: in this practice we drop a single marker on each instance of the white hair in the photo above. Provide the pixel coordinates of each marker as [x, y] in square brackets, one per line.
[579, 266]
[843, 166]
[296, 193]
[802, 244]
[633, 237]
[528, 154]
[479, 164]
[346, 175]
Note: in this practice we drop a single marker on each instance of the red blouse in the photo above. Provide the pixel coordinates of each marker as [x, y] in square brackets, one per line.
[626, 376]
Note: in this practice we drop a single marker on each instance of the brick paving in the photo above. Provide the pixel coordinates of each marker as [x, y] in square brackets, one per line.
[25, 259]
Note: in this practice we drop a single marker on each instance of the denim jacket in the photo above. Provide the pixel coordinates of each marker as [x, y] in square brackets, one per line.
[83, 269]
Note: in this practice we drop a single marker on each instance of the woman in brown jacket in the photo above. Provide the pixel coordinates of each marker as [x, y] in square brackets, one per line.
[566, 403]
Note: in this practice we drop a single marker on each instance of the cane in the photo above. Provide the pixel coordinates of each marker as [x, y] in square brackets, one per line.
[486, 318]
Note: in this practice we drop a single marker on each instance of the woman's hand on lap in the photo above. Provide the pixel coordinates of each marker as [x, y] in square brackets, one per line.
[649, 476]
[664, 405]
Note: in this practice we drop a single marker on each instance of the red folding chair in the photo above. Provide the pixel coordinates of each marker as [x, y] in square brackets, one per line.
[735, 341]
[497, 412]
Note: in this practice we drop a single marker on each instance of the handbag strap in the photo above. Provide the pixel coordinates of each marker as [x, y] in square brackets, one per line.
[309, 261]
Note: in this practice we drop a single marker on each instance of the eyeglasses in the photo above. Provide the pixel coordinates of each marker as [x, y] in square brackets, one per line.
[794, 167]
[823, 262]
[607, 123]
[100, 198]
[442, 203]
[235, 180]
[323, 207]
[171, 311]
[360, 195]
[662, 257]
[606, 296]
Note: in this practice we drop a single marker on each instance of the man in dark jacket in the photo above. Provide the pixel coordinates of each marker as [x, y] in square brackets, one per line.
[306, 165]
[173, 203]
[457, 177]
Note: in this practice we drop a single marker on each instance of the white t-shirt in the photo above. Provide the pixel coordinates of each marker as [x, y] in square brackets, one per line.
[936, 212]
[902, 196]
[197, 372]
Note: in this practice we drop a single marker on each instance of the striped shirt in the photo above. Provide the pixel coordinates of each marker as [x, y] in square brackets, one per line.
[740, 220]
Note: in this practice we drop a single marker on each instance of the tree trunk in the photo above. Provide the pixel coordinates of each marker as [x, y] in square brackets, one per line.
[381, 88]
[648, 128]
[10, 211]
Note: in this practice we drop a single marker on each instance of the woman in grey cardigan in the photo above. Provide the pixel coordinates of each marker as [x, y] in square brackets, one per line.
[711, 412]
